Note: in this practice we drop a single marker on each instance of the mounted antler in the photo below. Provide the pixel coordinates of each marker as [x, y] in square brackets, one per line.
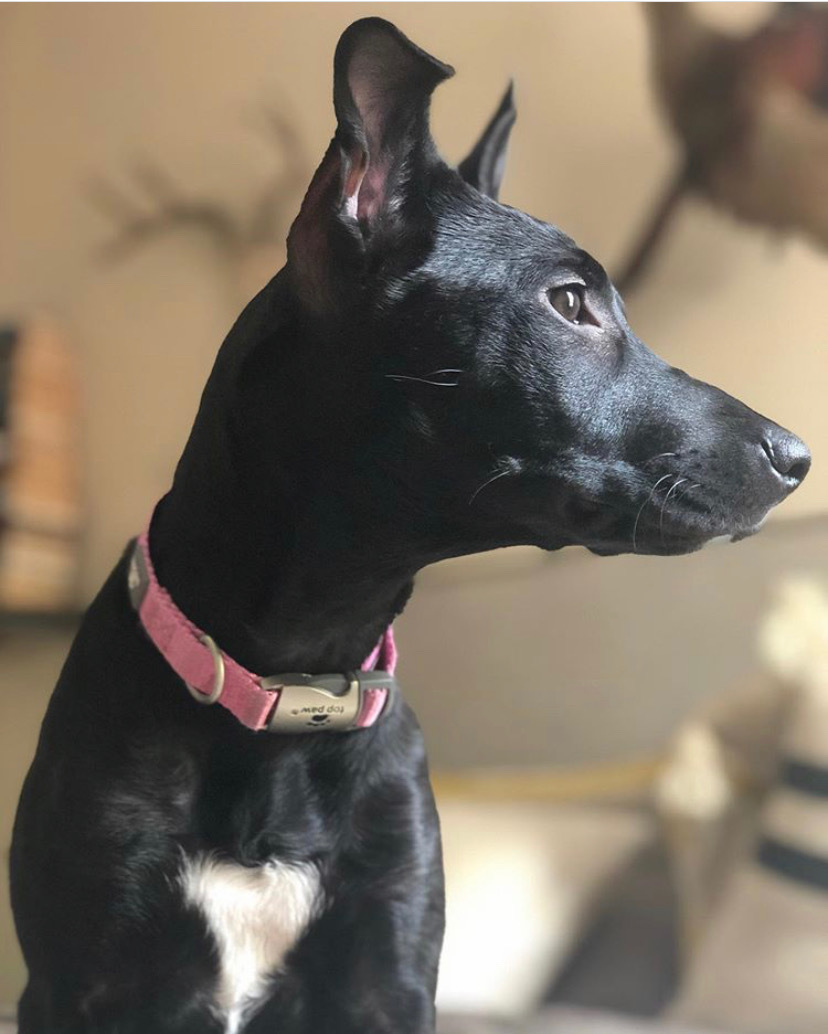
[168, 210]
[268, 222]
[159, 207]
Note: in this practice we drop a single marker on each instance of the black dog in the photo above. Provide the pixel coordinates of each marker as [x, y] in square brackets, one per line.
[432, 374]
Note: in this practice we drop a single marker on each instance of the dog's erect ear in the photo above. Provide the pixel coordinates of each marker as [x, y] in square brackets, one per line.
[483, 168]
[382, 92]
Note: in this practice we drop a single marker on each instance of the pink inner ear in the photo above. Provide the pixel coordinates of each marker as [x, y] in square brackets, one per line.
[371, 197]
[364, 188]
[358, 161]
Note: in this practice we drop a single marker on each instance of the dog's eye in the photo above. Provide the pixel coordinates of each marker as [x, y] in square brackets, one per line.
[568, 301]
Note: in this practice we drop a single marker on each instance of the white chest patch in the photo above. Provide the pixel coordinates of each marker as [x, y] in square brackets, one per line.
[256, 916]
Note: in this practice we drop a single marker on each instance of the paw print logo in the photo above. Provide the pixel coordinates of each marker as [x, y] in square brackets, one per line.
[318, 721]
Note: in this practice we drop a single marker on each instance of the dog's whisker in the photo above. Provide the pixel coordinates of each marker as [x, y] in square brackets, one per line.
[670, 491]
[684, 491]
[643, 508]
[660, 455]
[429, 378]
[422, 380]
[477, 491]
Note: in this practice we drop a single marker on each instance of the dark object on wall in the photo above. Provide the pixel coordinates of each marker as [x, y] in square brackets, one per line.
[158, 206]
[751, 115]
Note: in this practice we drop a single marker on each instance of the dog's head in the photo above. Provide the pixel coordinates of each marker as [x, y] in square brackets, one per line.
[491, 357]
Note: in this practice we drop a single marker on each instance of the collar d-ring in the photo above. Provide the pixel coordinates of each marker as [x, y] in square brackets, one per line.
[218, 677]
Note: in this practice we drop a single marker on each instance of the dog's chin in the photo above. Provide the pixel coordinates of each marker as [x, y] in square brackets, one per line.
[745, 533]
[666, 547]
[615, 531]
[674, 544]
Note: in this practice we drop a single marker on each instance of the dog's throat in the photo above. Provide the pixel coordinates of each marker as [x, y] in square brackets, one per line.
[284, 703]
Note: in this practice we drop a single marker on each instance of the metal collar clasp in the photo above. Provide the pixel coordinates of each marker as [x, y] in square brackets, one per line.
[308, 703]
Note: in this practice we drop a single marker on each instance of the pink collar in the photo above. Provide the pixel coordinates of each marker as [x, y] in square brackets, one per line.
[292, 703]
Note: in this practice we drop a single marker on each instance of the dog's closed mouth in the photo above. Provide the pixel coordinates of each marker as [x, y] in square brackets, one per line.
[745, 533]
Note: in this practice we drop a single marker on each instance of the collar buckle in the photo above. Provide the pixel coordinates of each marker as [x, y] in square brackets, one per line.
[309, 703]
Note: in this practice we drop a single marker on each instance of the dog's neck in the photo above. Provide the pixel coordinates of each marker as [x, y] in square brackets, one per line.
[276, 594]
[289, 567]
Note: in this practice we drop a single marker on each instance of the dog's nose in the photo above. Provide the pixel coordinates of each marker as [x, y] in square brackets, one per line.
[788, 455]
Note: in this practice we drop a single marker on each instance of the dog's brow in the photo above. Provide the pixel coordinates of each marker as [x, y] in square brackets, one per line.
[592, 270]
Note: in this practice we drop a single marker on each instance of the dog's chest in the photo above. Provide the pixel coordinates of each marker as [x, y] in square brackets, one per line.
[256, 915]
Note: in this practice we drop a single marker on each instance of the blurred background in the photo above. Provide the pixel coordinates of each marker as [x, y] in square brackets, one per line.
[631, 754]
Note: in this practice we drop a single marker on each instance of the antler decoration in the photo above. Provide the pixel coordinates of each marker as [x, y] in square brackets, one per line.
[267, 223]
[163, 209]
[158, 206]
[752, 117]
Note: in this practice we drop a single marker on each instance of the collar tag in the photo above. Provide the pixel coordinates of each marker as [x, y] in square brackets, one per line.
[332, 703]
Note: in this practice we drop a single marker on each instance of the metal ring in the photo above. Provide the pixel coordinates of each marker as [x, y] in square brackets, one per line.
[218, 680]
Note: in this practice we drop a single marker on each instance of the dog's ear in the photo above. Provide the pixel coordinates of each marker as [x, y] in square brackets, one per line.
[382, 147]
[484, 166]
[382, 93]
